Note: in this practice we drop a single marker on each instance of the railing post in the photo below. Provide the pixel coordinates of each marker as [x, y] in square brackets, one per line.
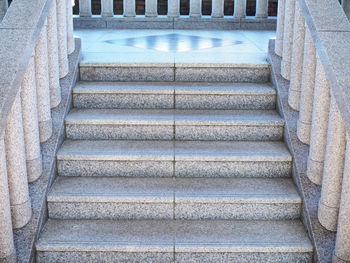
[62, 37]
[173, 8]
[262, 9]
[151, 8]
[129, 8]
[84, 8]
[70, 36]
[288, 38]
[217, 9]
[3, 8]
[195, 8]
[328, 208]
[30, 123]
[52, 46]
[307, 89]
[7, 248]
[240, 8]
[320, 115]
[280, 27]
[43, 88]
[21, 209]
[106, 8]
[297, 59]
[342, 244]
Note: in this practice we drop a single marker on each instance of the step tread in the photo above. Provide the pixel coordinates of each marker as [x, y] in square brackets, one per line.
[171, 117]
[84, 87]
[169, 190]
[174, 150]
[174, 235]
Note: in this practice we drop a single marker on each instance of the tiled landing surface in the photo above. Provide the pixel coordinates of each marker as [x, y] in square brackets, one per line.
[171, 47]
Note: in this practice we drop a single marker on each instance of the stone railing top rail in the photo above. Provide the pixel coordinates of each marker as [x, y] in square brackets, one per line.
[330, 30]
[19, 32]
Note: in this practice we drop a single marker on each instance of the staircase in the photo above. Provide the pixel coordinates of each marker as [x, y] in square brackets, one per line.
[174, 172]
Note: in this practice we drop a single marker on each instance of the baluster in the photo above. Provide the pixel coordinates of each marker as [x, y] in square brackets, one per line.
[107, 8]
[262, 9]
[84, 8]
[70, 36]
[280, 27]
[319, 127]
[342, 245]
[3, 8]
[307, 90]
[7, 248]
[129, 8]
[217, 9]
[288, 39]
[21, 210]
[240, 8]
[30, 123]
[195, 8]
[42, 85]
[297, 59]
[151, 8]
[62, 37]
[52, 46]
[173, 8]
[333, 170]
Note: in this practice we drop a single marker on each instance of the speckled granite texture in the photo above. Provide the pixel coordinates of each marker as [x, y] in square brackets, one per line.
[323, 240]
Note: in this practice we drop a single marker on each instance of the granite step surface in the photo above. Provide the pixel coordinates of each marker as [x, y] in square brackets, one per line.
[170, 72]
[168, 124]
[179, 95]
[173, 241]
[174, 158]
[173, 198]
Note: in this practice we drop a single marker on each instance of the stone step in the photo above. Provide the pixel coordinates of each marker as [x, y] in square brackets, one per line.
[146, 95]
[174, 158]
[170, 72]
[173, 198]
[170, 124]
[173, 241]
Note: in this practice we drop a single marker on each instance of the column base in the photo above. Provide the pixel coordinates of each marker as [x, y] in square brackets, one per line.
[45, 128]
[278, 47]
[21, 214]
[9, 259]
[328, 216]
[285, 69]
[315, 171]
[294, 99]
[34, 169]
[303, 132]
[336, 259]
[56, 98]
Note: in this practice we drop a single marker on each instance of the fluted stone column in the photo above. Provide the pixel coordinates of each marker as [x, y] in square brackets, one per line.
[240, 8]
[280, 27]
[3, 8]
[297, 59]
[70, 35]
[328, 208]
[342, 245]
[151, 8]
[107, 8]
[7, 248]
[288, 38]
[52, 46]
[61, 13]
[195, 8]
[173, 8]
[217, 9]
[30, 123]
[262, 8]
[43, 86]
[307, 90]
[84, 8]
[320, 115]
[129, 8]
[21, 210]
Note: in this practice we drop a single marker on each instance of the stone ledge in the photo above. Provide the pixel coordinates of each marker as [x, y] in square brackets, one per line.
[26, 237]
[322, 239]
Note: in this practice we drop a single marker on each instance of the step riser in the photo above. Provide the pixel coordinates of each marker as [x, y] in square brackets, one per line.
[167, 132]
[169, 169]
[187, 211]
[180, 257]
[170, 74]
